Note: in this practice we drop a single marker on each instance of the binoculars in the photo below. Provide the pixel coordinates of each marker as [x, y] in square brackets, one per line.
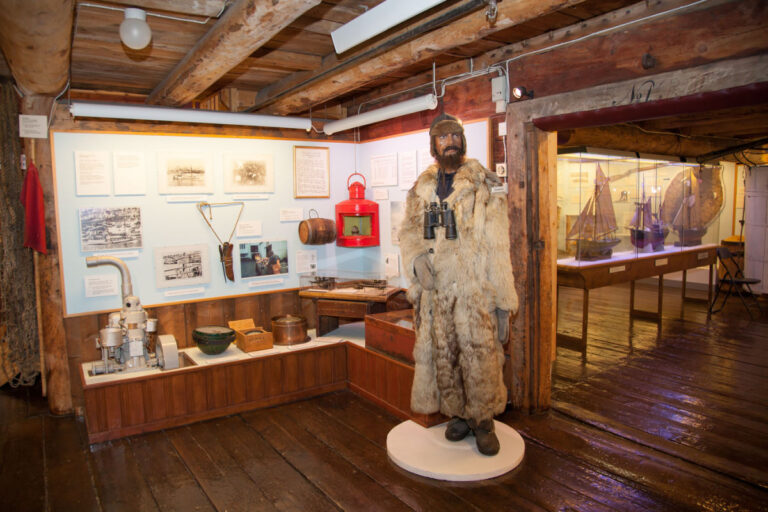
[439, 216]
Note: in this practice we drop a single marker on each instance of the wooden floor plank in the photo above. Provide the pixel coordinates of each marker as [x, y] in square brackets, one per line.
[118, 478]
[678, 485]
[324, 467]
[222, 480]
[172, 485]
[69, 476]
[285, 487]
[22, 472]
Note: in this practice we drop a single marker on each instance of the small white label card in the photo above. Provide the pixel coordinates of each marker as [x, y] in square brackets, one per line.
[33, 127]
[380, 194]
[392, 264]
[264, 282]
[183, 291]
[661, 262]
[248, 228]
[119, 254]
[407, 168]
[101, 285]
[306, 261]
[384, 170]
[291, 214]
[130, 173]
[92, 173]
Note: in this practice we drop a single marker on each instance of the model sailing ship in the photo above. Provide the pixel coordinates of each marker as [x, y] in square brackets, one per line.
[687, 221]
[646, 230]
[594, 230]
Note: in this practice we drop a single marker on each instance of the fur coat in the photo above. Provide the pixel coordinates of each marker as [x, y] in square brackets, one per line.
[458, 357]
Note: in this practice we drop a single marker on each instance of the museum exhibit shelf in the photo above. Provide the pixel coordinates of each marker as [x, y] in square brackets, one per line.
[204, 386]
[612, 202]
[629, 267]
[127, 403]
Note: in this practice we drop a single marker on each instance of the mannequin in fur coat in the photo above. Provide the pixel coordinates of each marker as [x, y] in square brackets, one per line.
[462, 289]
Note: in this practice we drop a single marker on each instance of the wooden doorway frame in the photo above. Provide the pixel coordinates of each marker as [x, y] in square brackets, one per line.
[532, 169]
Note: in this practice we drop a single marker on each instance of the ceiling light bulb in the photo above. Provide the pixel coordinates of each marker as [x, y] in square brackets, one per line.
[134, 30]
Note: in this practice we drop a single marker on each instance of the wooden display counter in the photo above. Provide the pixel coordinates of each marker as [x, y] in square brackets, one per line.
[124, 405]
[629, 267]
[347, 303]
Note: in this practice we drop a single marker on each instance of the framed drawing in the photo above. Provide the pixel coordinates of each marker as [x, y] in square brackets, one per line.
[311, 172]
[184, 173]
[110, 228]
[248, 173]
[182, 265]
[263, 258]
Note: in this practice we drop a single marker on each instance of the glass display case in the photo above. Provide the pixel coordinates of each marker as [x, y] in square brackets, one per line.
[616, 205]
[346, 282]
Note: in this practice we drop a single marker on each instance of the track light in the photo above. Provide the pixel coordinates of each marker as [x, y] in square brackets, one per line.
[428, 102]
[520, 92]
[381, 18]
[182, 115]
[134, 30]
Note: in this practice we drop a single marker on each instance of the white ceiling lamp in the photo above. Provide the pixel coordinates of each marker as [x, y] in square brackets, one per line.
[134, 30]
[180, 115]
[428, 102]
[377, 20]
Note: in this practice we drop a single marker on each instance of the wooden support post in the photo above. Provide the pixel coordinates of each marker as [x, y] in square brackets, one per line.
[56, 360]
[533, 231]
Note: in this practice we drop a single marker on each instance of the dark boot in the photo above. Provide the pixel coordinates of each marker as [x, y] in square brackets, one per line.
[457, 429]
[485, 437]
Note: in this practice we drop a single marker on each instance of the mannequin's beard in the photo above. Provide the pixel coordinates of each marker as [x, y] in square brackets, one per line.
[451, 160]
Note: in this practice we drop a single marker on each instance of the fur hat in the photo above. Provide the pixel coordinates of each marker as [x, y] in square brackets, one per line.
[443, 124]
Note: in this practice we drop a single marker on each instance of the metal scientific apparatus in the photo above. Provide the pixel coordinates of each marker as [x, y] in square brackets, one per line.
[124, 342]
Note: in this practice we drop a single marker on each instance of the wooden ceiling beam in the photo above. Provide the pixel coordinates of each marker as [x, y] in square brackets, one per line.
[35, 39]
[315, 90]
[633, 139]
[245, 26]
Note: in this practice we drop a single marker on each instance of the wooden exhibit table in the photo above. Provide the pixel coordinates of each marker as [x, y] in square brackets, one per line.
[629, 267]
[351, 303]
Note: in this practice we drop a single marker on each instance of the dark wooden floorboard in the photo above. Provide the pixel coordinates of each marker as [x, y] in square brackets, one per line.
[171, 483]
[670, 417]
[121, 485]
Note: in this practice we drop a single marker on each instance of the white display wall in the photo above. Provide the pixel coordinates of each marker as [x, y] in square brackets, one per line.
[92, 177]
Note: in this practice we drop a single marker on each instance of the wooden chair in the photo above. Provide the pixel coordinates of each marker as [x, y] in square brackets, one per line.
[737, 284]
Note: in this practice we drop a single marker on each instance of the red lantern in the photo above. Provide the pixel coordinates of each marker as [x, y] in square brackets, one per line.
[357, 219]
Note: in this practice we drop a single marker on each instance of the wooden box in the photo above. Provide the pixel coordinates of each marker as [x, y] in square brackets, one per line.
[391, 333]
[249, 337]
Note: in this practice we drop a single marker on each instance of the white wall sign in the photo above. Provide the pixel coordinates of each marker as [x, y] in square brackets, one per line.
[33, 127]
[101, 285]
[92, 173]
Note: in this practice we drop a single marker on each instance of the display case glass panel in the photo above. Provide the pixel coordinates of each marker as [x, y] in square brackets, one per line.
[613, 205]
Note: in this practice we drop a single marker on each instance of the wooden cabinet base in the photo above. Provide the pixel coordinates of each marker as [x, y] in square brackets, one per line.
[386, 382]
[145, 404]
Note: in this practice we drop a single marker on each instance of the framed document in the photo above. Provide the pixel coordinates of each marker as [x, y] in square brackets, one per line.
[311, 172]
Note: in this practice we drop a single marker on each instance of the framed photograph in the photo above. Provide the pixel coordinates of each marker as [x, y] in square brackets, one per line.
[248, 173]
[184, 173]
[110, 228]
[311, 171]
[263, 258]
[182, 265]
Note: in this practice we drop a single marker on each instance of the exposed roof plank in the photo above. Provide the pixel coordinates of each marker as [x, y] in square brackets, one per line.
[35, 39]
[244, 27]
[468, 29]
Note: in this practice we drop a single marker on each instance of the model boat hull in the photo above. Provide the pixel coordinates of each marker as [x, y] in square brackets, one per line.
[591, 250]
[642, 238]
[690, 236]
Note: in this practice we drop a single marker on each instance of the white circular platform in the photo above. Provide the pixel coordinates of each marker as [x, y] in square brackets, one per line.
[426, 452]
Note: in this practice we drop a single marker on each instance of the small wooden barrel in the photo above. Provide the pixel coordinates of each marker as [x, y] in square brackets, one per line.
[316, 231]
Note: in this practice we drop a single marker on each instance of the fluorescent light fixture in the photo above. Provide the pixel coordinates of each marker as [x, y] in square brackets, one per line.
[428, 102]
[181, 115]
[377, 20]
